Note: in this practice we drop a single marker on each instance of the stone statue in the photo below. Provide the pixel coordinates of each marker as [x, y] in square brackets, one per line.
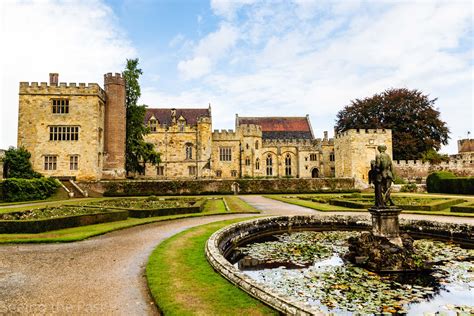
[381, 176]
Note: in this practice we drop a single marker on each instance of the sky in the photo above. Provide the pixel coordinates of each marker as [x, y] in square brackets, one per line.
[247, 57]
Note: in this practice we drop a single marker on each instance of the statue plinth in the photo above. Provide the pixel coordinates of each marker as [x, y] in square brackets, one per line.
[385, 223]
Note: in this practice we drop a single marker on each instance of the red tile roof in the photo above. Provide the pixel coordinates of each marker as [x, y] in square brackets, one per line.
[164, 115]
[281, 127]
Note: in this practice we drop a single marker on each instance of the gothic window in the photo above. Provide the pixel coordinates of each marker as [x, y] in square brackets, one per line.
[74, 162]
[257, 164]
[192, 170]
[233, 173]
[160, 171]
[225, 154]
[247, 161]
[60, 106]
[313, 157]
[153, 123]
[218, 173]
[269, 165]
[256, 144]
[50, 162]
[331, 156]
[189, 151]
[64, 133]
[288, 165]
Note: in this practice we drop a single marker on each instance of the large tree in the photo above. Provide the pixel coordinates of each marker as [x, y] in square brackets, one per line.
[415, 123]
[17, 164]
[138, 152]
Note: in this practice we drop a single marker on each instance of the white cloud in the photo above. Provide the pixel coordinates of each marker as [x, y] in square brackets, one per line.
[80, 40]
[194, 68]
[228, 8]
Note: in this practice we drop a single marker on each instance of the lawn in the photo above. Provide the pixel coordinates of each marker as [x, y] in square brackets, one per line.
[216, 207]
[183, 283]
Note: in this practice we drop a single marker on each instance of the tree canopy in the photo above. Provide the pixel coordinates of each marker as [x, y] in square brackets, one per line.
[16, 164]
[415, 123]
[138, 152]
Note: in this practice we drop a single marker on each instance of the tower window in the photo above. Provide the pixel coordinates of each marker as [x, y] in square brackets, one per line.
[64, 133]
[50, 162]
[257, 164]
[225, 154]
[256, 144]
[60, 106]
[192, 170]
[189, 151]
[160, 171]
[247, 161]
[331, 156]
[313, 157]
[74, 162]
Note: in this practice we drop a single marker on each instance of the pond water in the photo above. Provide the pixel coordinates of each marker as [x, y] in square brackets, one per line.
[309, 266]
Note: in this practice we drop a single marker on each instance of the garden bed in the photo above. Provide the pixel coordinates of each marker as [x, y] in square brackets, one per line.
[466, 207]
[46, 219]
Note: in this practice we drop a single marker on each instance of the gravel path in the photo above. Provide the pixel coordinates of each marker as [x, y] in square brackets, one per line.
[103, 275]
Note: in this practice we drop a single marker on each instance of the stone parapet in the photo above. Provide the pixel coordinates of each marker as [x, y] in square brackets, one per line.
[72, 88]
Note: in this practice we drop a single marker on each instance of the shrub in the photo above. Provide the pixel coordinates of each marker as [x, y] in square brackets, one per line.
[446, 182]
[14, 190]
[16, 164]
[410, 187]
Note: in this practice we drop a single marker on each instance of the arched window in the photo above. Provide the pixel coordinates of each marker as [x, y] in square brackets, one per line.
[288, 165]
[269, 165]
[247, 161]
[257, 164]
[256, 144]
[189, 151]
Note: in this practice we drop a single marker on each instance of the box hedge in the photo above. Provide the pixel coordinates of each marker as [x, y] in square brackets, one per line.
[446, 182]
[14, 190]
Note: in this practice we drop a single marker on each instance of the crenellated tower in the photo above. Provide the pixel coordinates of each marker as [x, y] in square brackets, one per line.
[114, 126]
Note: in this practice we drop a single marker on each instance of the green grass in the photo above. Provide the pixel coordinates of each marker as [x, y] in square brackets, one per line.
[216, 205]
[83, 232]
[322, 207]
[183, 283]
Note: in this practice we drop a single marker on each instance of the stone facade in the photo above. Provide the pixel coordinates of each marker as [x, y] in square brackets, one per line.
[62, 126]
[355, 148]
[2, 154]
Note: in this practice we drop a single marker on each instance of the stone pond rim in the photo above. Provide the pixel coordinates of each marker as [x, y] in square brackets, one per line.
[225, 240]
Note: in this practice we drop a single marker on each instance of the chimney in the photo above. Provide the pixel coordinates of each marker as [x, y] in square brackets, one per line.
[53, 79]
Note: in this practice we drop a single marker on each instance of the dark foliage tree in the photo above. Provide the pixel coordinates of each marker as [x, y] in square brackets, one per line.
[415, 123]
[17, 164]
[138, 152]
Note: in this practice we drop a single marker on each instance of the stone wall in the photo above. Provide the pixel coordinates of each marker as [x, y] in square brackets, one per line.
[86, 110]
[417, 169]
[195, 187]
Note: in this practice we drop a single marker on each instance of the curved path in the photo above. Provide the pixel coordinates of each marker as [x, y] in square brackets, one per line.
[104, 274]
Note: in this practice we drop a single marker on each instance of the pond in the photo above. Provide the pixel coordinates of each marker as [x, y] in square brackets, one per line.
[309, 266]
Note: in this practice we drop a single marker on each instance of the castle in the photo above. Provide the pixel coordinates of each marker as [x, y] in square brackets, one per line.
[78, 131]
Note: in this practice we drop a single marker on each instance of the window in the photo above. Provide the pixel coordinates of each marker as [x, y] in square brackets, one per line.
[331, 156]
[257, 164]
[233, 173]
[189, 151]
[192, 170]
[247, 161]
[269, 165]
[74, 162]
[247, 146]
[50, 162]
[225, 154]
[313, 157]
[153, 125]
[160, 171]
[218, 173]
[288, 165]
[60, 106]
[256, 144]
[64, 133]
[181, 126]
[333, 172]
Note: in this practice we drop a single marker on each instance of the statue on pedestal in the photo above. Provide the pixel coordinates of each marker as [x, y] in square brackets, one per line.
[381, 176]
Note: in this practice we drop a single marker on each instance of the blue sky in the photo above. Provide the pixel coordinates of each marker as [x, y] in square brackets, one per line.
[246, 56]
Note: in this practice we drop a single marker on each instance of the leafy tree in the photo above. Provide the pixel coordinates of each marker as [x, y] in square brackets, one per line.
[433, 157]
[16, 164]
[415, 124]
[137, 152]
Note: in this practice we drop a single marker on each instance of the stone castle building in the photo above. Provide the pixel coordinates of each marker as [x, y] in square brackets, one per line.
[78, 131]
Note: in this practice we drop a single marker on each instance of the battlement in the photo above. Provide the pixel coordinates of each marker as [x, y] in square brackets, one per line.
[224, 134]
[72, 88]
[360, 131]
[116, 78]
[419, 163]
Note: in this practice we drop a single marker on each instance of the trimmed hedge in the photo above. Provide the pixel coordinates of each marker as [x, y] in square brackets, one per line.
[446, 182]
[43, 225]
[436, 205]
[246, 186]
[14, 190]
[467, 207]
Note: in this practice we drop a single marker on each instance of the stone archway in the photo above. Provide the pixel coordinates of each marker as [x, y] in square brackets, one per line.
[315, 173]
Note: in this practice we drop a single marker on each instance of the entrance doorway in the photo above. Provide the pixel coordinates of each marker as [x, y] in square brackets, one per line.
[315, 173]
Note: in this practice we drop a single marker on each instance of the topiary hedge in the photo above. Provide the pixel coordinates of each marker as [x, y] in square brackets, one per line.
[14, 190]
[446, 182]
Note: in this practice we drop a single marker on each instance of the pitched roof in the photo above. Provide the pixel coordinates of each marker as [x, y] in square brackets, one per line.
[282, 127]
[164, 115]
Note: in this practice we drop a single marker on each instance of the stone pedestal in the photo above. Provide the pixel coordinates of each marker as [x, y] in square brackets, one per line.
[385, 223]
